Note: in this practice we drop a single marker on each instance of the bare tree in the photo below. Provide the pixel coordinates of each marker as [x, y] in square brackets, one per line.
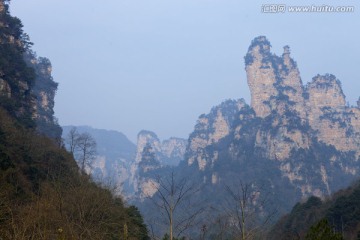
[83, 148]
[86, 150]
[249, 210]
[174, 199]
[71, 139]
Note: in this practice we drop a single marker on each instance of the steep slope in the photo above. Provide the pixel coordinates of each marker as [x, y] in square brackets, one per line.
[43, 195]
[44, 91]
[277, 89]
[336, 123]
[307, 133]
[272, 79]
[27, 89]
[341, 210]
[210, 129]
[16, 77]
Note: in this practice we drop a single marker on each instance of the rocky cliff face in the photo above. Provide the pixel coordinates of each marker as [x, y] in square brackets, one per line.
[305, 134]
[147, 138]
[168, 152]
[277, 92]
[291, 142]
[173, 149]
[16, 78]
[152, 156]
[147, 184]
[272, 79]
[27, 89]
[44, 91]
[210, 129]
[336, 124]
[128, 167]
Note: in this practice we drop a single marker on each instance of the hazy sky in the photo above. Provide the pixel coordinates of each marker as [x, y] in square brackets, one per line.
[129, 65]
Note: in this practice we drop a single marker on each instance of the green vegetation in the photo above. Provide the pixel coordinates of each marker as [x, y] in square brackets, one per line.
[334, 218]
[322, 231]
[43, 193]
[16, 77]
[264, 48]
[44, 90]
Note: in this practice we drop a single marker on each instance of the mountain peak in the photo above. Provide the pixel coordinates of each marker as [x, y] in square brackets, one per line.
[168, 152]
[327, 91]
[147, 133]
[259, 48]
[285, 117]
[286, 50]
[260, 41]
[272, 79]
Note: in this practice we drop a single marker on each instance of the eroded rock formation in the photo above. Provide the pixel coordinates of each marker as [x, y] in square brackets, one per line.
[308, 132]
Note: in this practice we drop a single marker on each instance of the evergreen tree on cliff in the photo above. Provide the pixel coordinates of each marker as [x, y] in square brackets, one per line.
[42, 194]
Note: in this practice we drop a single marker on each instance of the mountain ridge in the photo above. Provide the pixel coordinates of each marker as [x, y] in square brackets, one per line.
[292, 140]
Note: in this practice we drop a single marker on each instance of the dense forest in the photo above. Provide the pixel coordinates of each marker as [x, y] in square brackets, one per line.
[338, 214]
[43, 193]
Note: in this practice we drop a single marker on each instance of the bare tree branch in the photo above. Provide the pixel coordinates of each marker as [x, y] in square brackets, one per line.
[83, 148]
[173, 199]
[245, 205]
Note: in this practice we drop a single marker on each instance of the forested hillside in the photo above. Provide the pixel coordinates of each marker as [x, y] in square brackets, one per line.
[43, 194]
[341, 213]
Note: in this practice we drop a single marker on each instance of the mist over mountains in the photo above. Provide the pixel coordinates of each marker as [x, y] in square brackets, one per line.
[286, 124]
[292, 140]
[284, 156]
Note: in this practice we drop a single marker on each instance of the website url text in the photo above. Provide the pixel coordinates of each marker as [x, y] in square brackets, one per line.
[282, 8]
